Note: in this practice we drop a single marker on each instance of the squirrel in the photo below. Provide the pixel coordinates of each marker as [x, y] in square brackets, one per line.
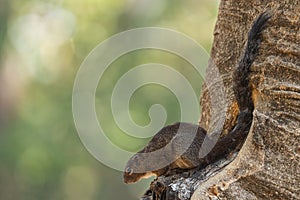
[172, 137]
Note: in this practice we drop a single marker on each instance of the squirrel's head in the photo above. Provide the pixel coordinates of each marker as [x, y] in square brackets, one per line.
[133, 171]
[131, 177]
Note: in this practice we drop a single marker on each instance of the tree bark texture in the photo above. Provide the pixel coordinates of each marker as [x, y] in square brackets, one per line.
[267, 166]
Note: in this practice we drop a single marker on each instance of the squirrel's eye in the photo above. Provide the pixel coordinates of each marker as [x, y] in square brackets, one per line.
[129, 170]
[134, 157]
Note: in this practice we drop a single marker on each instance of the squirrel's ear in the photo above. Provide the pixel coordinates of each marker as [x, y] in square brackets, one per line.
[129, 170]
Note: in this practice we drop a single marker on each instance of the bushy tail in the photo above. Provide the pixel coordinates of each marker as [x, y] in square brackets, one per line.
[235, 138]
[241, 86]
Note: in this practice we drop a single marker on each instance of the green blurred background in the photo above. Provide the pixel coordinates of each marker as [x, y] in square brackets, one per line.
[42, 46]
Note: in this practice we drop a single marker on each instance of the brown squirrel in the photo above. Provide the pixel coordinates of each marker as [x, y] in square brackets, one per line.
[181, 143]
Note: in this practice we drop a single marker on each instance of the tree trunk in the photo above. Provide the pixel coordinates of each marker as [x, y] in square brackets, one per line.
[267, 166]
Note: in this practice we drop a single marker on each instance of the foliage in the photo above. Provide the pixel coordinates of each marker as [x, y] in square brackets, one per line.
[41, 156]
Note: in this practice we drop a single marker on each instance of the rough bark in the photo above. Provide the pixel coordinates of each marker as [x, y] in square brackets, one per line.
[267, 166]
